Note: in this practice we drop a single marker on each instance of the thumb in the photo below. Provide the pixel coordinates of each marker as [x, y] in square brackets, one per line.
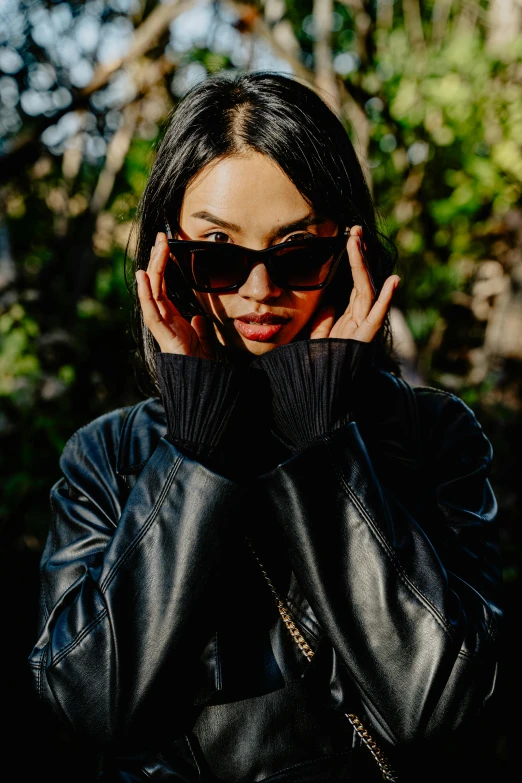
[322, 322]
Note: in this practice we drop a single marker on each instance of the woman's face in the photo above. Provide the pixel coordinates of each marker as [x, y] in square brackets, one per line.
[246, 199]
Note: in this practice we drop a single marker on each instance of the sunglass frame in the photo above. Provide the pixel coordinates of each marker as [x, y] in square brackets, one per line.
[338, 244]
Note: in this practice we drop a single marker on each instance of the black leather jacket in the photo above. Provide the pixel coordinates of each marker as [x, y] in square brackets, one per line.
[389, 528]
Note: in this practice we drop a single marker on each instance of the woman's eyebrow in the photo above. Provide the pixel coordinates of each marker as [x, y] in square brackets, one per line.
[296, 225]
[305, 222]
[217, 221]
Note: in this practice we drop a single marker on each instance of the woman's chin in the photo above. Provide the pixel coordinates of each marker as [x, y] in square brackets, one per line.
[255, 348]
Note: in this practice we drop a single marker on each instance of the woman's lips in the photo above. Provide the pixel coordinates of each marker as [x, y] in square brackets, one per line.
[257, 332]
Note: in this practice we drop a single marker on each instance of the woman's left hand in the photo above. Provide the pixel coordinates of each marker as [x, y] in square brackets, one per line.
[363, 317]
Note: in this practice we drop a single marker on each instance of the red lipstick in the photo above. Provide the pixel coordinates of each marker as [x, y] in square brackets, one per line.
[259, 326]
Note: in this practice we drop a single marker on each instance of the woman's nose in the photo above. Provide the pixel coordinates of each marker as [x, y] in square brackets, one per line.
[258, 285]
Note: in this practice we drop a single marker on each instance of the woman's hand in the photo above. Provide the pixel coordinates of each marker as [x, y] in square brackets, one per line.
[172, 332]
[363, 317]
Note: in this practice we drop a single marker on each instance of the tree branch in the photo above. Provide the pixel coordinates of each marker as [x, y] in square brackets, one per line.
[440, 18]
[24, 150]
[145, 37]
[413, 23]
[347, 100]
[116, 151]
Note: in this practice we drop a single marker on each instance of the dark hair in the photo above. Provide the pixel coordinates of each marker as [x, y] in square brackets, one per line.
[287, 121]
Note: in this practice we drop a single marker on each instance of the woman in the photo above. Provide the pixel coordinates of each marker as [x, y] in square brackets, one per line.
[287, 541]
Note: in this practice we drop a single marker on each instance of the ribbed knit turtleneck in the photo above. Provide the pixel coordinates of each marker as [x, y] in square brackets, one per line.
[243, 418]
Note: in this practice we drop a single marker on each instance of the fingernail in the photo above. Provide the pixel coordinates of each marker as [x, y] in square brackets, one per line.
[157, 237]
[397, 283]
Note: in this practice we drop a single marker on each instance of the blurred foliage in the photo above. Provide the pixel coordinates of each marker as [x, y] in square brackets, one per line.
[432, 96]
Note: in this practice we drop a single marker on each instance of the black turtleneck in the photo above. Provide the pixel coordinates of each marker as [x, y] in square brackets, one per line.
[242, 419]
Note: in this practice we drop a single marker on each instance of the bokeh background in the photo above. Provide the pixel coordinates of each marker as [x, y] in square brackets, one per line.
[431, 93]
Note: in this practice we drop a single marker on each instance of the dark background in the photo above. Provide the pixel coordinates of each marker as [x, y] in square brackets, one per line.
[431, 94]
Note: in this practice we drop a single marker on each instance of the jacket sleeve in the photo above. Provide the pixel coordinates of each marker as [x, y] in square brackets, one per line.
[408, 604]
[120, 580]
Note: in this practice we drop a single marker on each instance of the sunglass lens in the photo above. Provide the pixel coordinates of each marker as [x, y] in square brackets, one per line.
[216, 267]
[304, 264]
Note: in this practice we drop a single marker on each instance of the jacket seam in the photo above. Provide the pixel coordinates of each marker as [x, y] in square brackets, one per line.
[76, 641]
[40, 673]
[43, 602]
[145, 529]
[219, 683]
[463, 654]
[38, 668]
[490, 630]
[194, 759]
[384, 544]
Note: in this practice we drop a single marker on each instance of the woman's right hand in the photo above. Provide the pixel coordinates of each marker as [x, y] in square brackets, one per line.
[172, 332]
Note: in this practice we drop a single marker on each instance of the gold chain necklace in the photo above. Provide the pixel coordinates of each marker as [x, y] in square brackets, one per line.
[380, 759]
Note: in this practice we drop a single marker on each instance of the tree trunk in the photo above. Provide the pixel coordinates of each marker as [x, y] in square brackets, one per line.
[324, 73]
[504, 23]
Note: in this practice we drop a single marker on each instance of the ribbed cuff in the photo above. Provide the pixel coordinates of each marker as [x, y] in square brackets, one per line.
[199, 396]
[313, 385]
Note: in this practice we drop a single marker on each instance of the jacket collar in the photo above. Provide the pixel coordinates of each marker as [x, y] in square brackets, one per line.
[387, 417]
[143, 427]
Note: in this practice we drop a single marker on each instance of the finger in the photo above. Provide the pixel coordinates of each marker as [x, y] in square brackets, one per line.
[361, 278]
[358, 232]
[344, 328]
[374, 320]
[152, 251]
[348, 315]
[322, 323]
[353, 294]
[164, 335]
[172, 310]
[205, 333]
[156, 272]
[156, 267]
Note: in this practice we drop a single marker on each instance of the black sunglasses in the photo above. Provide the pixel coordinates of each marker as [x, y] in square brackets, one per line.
[299, 265]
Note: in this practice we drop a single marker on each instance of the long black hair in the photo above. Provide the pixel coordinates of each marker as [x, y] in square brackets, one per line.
[286, 120]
